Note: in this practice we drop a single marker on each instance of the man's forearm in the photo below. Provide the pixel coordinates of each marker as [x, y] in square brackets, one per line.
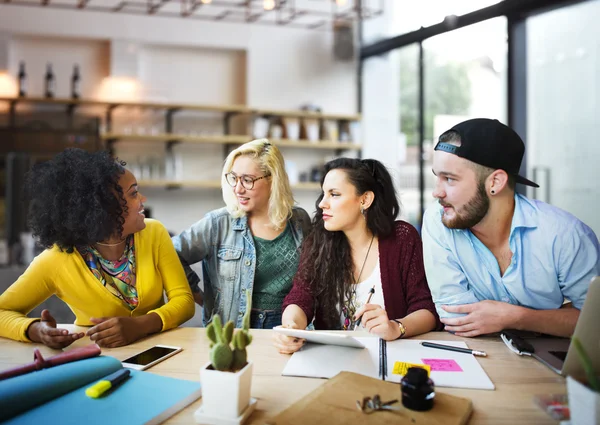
[559, 322]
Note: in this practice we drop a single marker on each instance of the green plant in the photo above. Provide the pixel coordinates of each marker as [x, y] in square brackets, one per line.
[587, 365]
[228, 351]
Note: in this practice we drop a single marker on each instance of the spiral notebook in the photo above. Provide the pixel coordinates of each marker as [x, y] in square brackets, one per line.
[447, 368]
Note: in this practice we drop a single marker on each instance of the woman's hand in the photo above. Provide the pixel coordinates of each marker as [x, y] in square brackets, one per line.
[287, 344]
[45, 332]
[114, 332]
[376, 321]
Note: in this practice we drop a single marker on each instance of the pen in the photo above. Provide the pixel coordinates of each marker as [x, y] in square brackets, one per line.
[384, 358]
[381, 359]
[451, 348]
[371, 292]
[106, 383]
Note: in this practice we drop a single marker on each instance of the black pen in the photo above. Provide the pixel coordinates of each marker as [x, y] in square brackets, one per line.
[371, 292]
[457, 349]
[384, 348]
[381, 359]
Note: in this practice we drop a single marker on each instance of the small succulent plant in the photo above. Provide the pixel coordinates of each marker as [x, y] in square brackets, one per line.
[228, 350]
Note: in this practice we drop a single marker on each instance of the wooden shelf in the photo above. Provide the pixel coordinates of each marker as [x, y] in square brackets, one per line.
[321, 144]
[307, 186]
[148, 105]
[239, 109]
[209, 184]
[164, 137]
[307, 114]
[198, 184]
[229, 139]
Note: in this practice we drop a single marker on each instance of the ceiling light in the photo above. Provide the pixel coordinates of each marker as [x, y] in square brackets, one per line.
[268, 4]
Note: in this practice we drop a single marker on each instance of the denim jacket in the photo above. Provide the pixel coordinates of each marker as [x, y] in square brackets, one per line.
[226, 248]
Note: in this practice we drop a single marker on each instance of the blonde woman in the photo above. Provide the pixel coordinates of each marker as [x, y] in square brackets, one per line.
[251, 244]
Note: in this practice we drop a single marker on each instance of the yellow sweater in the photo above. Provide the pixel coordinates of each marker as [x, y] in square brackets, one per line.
[68, 277]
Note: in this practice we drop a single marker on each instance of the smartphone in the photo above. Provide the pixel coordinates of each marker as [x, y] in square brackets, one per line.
[150, 357]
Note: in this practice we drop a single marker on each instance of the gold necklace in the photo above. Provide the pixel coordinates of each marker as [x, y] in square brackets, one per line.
[365, 261]
[111, 244]
[351, 307]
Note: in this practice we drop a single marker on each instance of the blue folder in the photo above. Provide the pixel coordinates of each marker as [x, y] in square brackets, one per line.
[57, 396]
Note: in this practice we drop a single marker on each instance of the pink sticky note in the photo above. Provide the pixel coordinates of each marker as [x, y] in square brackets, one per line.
[442, 365]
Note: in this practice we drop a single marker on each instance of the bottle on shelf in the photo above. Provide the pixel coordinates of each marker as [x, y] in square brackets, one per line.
[76, 83]
[22, 80]
[50, 81]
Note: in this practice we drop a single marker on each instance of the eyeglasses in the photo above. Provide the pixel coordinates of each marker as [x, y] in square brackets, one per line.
[247, 181]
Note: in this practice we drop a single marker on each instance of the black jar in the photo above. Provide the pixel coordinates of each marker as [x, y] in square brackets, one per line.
[417, 390]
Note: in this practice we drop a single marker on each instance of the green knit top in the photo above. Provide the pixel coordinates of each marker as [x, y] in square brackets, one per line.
[276, 264]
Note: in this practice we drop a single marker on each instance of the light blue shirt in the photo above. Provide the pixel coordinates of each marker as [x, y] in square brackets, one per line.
[226, 248]
[555, 256]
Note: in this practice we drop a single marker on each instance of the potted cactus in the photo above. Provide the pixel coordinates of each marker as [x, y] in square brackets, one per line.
[227, 379]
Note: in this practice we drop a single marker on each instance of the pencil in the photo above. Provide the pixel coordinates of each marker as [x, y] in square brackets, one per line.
[371, 292]
[451, 348]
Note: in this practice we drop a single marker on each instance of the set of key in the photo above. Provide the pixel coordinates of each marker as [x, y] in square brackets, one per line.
[370, 405]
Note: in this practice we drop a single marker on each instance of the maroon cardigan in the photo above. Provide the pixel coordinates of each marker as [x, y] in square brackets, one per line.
[403, 279]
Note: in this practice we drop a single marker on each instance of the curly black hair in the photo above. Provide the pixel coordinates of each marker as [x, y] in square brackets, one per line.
[75, 199]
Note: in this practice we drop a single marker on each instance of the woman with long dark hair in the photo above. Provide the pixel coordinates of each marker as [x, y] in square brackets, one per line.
[356, 252]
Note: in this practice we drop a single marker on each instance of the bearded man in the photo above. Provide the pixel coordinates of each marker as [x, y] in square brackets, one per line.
[495, 259]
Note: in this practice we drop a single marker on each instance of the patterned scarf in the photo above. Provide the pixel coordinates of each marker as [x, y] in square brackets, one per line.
[116, 276]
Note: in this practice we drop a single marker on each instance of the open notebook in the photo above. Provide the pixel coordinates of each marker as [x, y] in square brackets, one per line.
[448, 368]
[57, 396]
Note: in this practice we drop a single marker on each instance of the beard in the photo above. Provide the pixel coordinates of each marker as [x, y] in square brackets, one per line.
[471, 213]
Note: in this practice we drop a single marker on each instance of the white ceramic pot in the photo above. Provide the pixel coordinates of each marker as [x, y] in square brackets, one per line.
[584, 404]
[225, 394]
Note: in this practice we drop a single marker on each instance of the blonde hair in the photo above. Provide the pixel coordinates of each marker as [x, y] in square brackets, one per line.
[271, 163]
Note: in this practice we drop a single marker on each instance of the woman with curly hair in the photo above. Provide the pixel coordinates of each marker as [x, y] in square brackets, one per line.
[250, 245]
[357, 251]
[107, 262]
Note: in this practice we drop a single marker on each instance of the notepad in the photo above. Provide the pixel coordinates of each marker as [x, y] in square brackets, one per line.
[57, 396]
[326, 361]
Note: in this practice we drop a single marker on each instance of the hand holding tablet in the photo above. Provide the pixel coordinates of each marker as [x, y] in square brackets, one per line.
[287, 344]
[319, 337]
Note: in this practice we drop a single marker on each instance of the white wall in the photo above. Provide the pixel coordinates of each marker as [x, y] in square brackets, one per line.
[192, 62]
[285, 66]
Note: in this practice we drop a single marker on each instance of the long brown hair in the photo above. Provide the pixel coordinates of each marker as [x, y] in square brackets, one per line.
[327, 265]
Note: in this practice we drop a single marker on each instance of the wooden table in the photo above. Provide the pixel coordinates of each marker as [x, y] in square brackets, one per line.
[517, 379]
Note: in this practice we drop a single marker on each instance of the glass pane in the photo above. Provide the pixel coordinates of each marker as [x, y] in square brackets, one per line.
[563, 106]
[465, 77]
[408, 167]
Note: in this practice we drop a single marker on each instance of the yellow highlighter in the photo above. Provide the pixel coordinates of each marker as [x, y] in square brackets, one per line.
[111, 381]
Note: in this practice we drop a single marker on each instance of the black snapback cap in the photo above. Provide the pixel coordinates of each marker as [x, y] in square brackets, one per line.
[489, 143]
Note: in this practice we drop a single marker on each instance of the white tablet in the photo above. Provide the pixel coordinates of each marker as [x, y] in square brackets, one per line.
[322, 337]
